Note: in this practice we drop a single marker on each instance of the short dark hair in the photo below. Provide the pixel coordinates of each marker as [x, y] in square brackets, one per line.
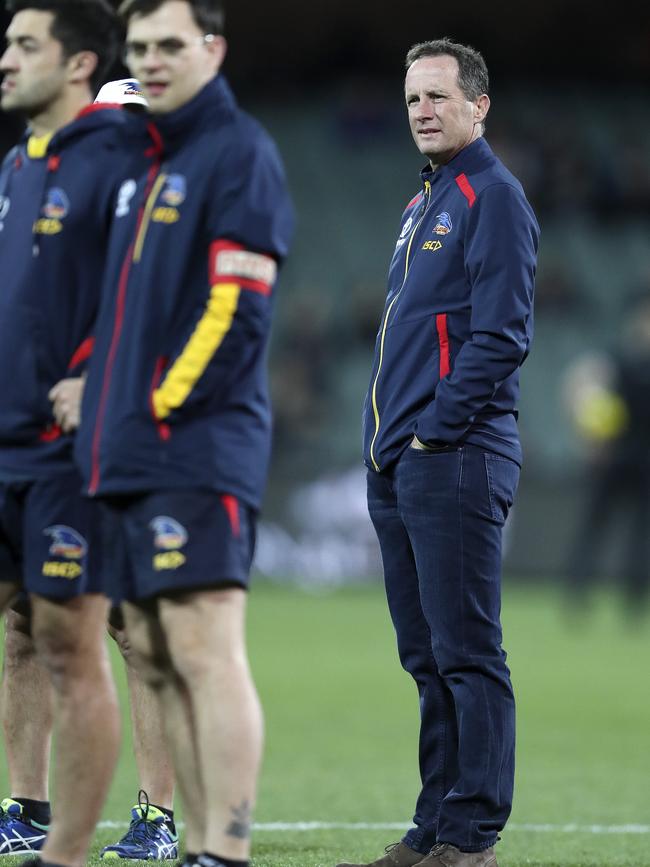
[81, 25]
[473, 77]
[209, 15]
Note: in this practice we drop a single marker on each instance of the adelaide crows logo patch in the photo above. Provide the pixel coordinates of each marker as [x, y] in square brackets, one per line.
[169, 535]
[56, 205]
[443, 224]
[66, 542]
[174, 191]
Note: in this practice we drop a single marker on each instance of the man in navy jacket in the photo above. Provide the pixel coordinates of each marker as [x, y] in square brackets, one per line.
[443, 454]
[175, 427]
[56, 193]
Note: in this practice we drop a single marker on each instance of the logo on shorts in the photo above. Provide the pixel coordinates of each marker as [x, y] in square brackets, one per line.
[169, 535]
[66, 542]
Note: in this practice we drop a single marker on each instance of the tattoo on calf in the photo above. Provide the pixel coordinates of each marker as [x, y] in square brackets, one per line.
[240, 826]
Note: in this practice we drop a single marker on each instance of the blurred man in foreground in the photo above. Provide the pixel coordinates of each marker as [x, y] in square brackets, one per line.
[56, 193]
[151, 834]
[443, 453]
[175, 428]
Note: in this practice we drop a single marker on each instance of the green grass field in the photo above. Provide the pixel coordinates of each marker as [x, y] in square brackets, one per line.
[342, 720]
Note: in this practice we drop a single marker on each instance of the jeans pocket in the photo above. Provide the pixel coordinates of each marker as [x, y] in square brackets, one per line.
[502, 480]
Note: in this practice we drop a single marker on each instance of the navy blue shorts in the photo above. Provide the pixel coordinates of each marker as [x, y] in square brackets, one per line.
[172, 541]
[49, 537]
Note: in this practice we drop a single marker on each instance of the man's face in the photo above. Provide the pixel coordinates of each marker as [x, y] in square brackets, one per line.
[170, 55]
[442, 119]
[33, 64]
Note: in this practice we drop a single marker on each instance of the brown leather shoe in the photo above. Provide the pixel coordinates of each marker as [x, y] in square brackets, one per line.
[397, 855]
[446, 855]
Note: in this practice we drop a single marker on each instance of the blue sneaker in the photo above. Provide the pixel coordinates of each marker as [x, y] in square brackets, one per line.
[19, 835]
[151, 835]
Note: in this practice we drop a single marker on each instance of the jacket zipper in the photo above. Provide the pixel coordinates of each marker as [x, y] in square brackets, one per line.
[375, 409]
[151, 192]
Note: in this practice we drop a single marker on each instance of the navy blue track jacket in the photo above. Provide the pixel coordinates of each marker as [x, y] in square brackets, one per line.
[458, 319]
[176, 395]
[56, 201]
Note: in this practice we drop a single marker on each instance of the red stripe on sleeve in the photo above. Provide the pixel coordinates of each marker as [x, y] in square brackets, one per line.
[466, 189]
[443, 340]
[416, 198]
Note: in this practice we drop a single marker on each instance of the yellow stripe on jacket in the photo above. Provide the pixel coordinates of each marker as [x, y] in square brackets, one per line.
[206, 339]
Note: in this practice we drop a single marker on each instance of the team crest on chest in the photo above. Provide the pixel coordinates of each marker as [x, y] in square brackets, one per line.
[54, 210]
[443, 224]
[171, 197]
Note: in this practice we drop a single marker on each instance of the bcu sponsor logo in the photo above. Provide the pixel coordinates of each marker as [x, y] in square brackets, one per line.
[169, 537]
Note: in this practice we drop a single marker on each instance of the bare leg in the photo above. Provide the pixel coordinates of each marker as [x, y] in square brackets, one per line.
[150, 656]
[69, 638]
[27, 708]
[155, 770]
[206, 640]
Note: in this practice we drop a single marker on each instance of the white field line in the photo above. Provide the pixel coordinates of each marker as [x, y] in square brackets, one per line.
[569, 828]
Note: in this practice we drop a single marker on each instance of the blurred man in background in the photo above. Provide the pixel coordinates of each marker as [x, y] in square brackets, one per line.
[443, 453]
[608, 398]
[175, 430]
[56, 191]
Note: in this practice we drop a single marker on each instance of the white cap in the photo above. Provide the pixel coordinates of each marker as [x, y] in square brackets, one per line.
[123, 92]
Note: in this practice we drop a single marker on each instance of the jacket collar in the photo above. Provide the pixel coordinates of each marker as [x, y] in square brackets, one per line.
[214, 103]
[467, 161]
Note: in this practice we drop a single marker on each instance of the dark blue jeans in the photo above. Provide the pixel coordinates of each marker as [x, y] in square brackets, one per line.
[439, 517]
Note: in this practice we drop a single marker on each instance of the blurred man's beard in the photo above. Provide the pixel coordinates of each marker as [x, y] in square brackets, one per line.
[31, 104]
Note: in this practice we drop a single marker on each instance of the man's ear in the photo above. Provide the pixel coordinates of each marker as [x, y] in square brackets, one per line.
[81, 66]
[481, 108]
[218, 48]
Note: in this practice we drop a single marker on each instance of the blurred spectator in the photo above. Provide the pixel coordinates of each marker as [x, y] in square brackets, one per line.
[609, 400]
[556, 292]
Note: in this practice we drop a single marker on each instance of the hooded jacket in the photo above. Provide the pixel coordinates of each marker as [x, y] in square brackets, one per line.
[56, 201]
[176, 395]
[458, 318]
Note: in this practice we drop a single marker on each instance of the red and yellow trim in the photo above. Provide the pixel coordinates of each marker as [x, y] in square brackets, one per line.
[206, 339]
